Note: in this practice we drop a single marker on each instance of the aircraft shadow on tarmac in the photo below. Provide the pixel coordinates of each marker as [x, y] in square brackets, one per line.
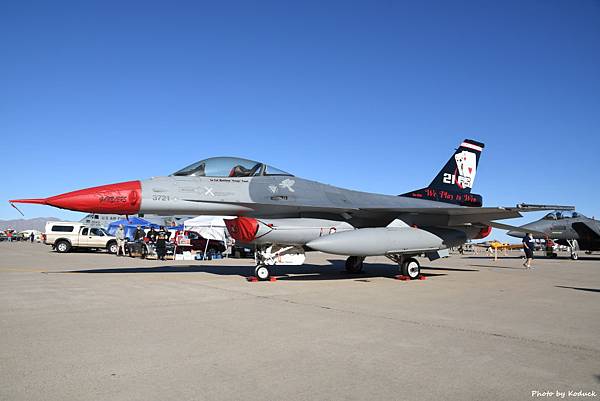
[334, 271]
[449, 269]
[579, 288]
[582, 257]
[499, 267]
[500, 256]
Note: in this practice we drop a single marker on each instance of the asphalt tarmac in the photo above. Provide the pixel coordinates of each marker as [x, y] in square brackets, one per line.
[93, 326]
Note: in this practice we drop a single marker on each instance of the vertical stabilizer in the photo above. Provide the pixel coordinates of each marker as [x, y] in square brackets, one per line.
[455, 180]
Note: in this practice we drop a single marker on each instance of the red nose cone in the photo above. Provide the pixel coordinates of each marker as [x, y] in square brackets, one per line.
[121, 198]
[242, 229]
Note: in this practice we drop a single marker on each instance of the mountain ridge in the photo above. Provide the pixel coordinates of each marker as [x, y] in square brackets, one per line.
[36, 223]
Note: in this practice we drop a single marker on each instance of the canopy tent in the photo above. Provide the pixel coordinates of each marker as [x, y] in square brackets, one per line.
[210, 227]
[130, 226]
[174, 229]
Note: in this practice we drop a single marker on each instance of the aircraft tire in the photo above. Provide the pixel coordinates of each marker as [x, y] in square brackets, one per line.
[262, 272]
[354, 264]
[411, 268]
[574, 256]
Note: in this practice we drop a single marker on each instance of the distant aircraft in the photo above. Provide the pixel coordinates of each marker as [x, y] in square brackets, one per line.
[570, 229]
[494, 244]
[284, 215]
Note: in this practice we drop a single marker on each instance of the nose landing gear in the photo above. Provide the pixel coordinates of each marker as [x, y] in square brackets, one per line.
[268, 256]
[262, 272]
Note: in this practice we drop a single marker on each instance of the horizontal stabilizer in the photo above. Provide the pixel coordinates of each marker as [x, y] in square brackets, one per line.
[515, 229]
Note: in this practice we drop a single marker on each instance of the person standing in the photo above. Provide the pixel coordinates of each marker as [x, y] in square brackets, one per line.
[162, 236]
[120, 235]
[151, 235]
[9, 235]
[32, 237]
[139, 234]
[528, 247]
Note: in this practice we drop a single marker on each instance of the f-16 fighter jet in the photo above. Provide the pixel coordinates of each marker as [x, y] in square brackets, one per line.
[571, 229]
[284, 215]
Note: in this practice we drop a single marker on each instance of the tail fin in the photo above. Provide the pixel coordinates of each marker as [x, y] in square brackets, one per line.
[454, 182]
[458, 175]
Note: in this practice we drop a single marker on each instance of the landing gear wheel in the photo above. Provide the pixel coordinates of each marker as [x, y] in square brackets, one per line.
[574, 256]
[411, 268]
[354, 264]
[262, 272]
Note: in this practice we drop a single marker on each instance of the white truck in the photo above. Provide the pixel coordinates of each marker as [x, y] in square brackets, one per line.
[67, 235]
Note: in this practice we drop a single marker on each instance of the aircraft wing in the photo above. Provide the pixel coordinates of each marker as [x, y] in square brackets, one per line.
[508, 227]
[464, 215]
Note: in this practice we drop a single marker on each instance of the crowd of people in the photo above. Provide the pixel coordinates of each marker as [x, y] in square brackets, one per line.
[10, 235]
[158, 239]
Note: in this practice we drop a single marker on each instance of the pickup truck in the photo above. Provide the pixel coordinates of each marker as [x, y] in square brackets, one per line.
[65, 236]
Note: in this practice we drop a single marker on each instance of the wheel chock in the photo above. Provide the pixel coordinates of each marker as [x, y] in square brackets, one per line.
[422, 278]
[253, 279]
[402, 277]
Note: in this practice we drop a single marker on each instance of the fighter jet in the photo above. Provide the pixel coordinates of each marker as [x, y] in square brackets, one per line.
[284, 215]
[571, 229]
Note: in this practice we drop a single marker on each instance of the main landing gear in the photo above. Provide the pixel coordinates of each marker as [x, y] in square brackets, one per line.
[354, 264]
[409, 266]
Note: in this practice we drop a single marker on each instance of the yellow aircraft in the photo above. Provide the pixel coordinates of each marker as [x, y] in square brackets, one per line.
[495, 244]
[504, 245]
[492, 247]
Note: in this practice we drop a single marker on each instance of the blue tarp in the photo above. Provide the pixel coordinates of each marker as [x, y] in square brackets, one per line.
[130, 226]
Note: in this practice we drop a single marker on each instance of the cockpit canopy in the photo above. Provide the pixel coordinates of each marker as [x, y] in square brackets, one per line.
[562, 215]
[228, 167]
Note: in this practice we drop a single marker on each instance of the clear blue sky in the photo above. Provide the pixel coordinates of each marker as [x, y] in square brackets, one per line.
[367, 95]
